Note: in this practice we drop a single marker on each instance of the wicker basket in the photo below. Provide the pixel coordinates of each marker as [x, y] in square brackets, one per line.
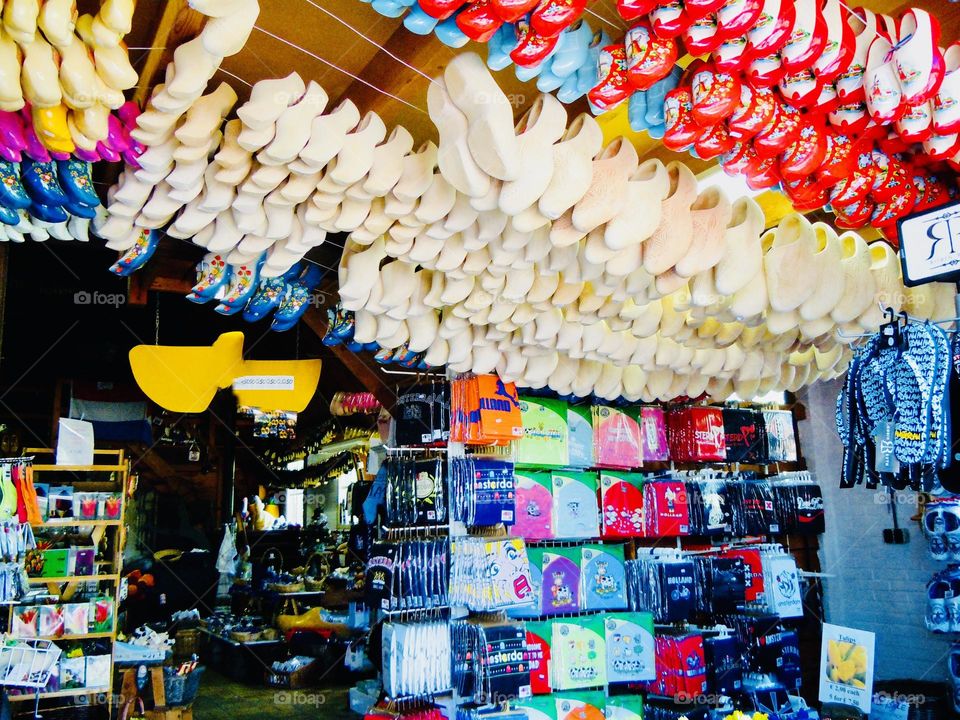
[313, 585]
[269, 634]
[187, 643]
[287, 587]
[245, 637]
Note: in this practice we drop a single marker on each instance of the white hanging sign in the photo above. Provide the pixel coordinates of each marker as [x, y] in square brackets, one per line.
[263, 382]
[846, 666]
[930, 245]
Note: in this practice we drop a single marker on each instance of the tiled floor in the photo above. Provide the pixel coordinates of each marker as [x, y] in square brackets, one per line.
[223, 699]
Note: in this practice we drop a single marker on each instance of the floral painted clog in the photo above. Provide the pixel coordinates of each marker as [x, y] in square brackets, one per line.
[804, 155]
[772, 28]
[440, 9]
[784, 129]
[76, 180]
[807, 39]
[243, 283]
[40, 181]
[917, 57]
[703, 36]
[613, 87]
[532, 48]
[551, 17]
[801, 88]
[681, 130]
[649, 58]
[714, 142]
[12, 193]
[916, 122]
[479, 21]
[668, 19]
[865, 27]
[841, 43]
[138, 254]
[946, 103]
[633, 9]
[881, 83]
[213, 274]
[714, 95]
[731, 54]
[736, 17]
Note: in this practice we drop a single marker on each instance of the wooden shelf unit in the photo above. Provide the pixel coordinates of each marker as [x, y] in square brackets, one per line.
[114, 463]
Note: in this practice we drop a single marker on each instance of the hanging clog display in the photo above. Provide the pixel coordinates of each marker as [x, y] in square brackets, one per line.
[530, 249]
[841, 108]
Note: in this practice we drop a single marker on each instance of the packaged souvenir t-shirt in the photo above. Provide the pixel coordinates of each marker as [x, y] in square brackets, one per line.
[744, 435]
[534, 505]
[754, 572]
[693, 675]
[616, 437]
[504, 660]
[677, 585]
[579, 420]
[542, 707]
[560, 586]
[727, 583]
[602, 577]
[630, 647]
[575, 508]
[544, 440]
[535, 561]
[724, 671]
[579, 658]
[653, 434]
[809, 508]
[783, 585]
[666, 510]
[709, 443]
[587, 705]
[499, 409]
[711, 508]
[539, 637]
[759, 508]
[493, 488]
[781, 438]
[621, 502]
[624, 707]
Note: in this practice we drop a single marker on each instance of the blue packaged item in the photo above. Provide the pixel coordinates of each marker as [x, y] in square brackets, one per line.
[494, 492]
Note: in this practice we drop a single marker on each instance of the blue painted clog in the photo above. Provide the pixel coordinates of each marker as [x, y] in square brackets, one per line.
[637, 111]
[572, 49]
[76, 180]
[418, 22]
[213, 275]
[450, 34]
[243, 283]
[138, 255]
[47, 213]
[41, 183]
[12, 193]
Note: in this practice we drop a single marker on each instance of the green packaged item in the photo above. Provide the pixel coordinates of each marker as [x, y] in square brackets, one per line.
[538, 707]
[578, 654]
[624, 707]
[584, 705]
[545, 432]
[55, 562]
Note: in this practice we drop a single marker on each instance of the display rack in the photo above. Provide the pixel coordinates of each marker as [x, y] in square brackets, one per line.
[115, 465]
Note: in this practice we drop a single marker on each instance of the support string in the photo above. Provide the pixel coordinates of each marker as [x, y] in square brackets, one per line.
[369, 39]
[336, 67]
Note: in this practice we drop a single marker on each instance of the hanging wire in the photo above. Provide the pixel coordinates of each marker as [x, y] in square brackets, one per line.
[337, 67]
[156, 322]
[620, 23]
[235, 77]
[369, 40]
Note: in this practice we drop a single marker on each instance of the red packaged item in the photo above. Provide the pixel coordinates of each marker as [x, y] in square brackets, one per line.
[709, 442]
[621, 503]
[754, 565]
[693, 667]
[666, 509]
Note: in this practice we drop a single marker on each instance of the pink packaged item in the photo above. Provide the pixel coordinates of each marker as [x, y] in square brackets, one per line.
[653, 434]
[616, 438]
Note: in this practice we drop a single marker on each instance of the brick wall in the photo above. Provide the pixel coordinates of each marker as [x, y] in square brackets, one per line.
[877, 587]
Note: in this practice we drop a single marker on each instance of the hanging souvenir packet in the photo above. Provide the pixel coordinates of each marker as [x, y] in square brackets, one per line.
[539, 653]
[724, 669]
[416, 658]
[534, 505]
[580, 440]
[409, 575]
[801, 505]
[602, 577]
[625, 707]
[532, 609]
[490, 575]
[505, 673]
[538, 707]
[583, 705]
[696, 434]
[759, 508]
[754, 572]
[560, 585]
[782, 580]
[691, 667]
[621, 503]
[493, 491]
[575, 507]
[781, 436]
[414, 414]
[712, 505]
[500, 417]
[745, 435]
[778, 653]
[666, 509]
[616, 437]
[467, 644]
[416, 492]
[544, 441]
[630, 647]
[724, 581]
[578, 653]
[653, 434]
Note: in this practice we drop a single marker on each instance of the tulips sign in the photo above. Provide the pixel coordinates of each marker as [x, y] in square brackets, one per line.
[846, 667]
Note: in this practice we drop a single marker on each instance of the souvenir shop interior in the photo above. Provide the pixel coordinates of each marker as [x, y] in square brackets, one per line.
[479, 359]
